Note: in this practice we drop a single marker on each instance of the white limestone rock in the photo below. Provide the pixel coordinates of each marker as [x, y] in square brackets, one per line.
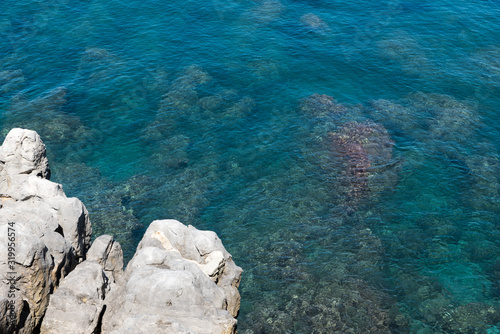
[23, 152]
[181, 280]
[51, 232]
[108, 253]
[176, 275]
[76, 306]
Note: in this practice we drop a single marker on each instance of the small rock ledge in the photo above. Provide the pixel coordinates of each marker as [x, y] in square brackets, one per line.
[180, 280]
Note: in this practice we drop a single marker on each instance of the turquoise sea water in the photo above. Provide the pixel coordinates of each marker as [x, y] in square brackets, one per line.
[345, 152]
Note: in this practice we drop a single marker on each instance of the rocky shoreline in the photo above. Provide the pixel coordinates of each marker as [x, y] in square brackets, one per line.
[180, 279]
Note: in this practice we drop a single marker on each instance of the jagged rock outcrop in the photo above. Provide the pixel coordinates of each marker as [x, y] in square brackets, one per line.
[180, 280]
[48, 233]
[108, 253]
[77, 306]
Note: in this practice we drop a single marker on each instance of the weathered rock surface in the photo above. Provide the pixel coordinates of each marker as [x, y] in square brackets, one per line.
[77, 305]
[180, 280]
[24, 153]
[108, 253]
[49, 233]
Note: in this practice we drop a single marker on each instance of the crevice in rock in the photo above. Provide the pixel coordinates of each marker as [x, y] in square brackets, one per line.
[98, 327]
[25, 312]
[59, 230]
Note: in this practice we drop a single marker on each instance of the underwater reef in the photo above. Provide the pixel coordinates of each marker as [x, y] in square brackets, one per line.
[379, 217]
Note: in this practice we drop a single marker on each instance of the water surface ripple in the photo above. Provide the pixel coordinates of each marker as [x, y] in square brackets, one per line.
[345, 152]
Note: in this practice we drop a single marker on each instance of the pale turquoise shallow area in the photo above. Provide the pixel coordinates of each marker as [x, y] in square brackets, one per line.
[201, 111]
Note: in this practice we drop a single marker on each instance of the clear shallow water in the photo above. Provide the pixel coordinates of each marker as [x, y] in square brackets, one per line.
[377, 212]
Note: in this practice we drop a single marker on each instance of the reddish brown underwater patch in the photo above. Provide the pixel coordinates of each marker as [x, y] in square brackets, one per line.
[362, 146]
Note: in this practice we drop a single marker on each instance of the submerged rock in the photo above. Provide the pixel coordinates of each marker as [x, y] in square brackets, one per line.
[352, 306]
[315, 24]
[96, 65]
[402, 48]
[267, 11]
[322, 105]
[11, 81]
[45, 115]
[366, 149]
[487, 65]
[357, 153]
[397, 116]
[449, 128]
[182, 96]
[471, 318]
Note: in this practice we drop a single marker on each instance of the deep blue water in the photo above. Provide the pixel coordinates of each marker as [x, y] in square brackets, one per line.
[375, 212]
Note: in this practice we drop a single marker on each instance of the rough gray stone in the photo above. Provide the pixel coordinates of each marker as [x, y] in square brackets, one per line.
[108, 253]
[23, 152]
[76, 306]
[175, 276]
[30, 284]
[49, 232]
[181, 280]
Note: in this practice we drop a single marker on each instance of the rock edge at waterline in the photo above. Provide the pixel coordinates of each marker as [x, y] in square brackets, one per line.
[180, 280]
